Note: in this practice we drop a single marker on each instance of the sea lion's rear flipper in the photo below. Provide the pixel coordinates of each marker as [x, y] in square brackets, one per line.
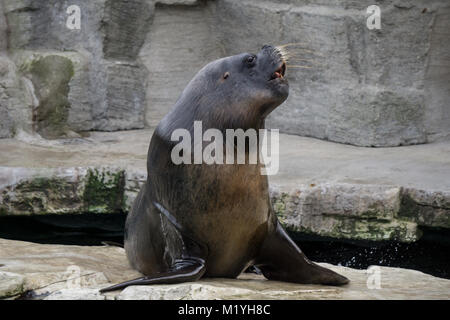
[183, 270]
[190, 267]
[281, 259]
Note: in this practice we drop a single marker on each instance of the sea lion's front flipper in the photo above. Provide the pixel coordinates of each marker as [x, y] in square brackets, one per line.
[281, 259]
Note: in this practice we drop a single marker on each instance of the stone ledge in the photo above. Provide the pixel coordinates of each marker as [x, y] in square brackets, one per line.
[25, 191]
[321, 188]
[338, 210]
[61, 272]
[365, 212]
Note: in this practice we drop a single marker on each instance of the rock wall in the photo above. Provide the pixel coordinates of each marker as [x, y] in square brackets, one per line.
[106, 89]
[365, 87]
[131, 60]
[180, 42]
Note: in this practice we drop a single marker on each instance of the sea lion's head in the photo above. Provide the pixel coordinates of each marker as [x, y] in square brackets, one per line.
[238, 91]
[260, 76]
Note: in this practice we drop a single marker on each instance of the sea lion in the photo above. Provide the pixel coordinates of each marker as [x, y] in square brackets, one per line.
[197, 220]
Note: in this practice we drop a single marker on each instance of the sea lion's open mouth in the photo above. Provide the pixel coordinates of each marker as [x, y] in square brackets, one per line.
[279, 73]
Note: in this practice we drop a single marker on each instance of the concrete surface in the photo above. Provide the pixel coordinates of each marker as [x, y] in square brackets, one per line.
[59, 272]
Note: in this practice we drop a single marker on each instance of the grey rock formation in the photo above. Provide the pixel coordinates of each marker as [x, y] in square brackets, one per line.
[108, 85]
[368, 212]
[125, 25]
[124, 103]
[384, 87]
[50, 77]
[76, 294]
[11, 284]
[6, 124]
[48, 268]
[437, 88]
[426, 208]
[16, 100]
[365, 87]
[62, 191]
[180, 42]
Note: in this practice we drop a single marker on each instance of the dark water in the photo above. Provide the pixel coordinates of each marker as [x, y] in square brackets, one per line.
[85, 229]
[431, 254]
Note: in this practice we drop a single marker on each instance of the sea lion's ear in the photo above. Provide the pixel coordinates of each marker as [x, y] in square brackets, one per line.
[226, 75]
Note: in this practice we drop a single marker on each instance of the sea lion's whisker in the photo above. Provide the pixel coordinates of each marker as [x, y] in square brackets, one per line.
[301, 59]
[298, 66]
[303, 51]
[299, 51]
[292, 44]
[283, 54]
[308, 60]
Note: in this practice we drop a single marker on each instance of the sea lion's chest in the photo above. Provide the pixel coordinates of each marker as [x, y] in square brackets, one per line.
[230, 213]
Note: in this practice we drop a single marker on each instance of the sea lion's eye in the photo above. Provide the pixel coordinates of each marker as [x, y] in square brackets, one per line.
[251, 59]
[226, 75]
